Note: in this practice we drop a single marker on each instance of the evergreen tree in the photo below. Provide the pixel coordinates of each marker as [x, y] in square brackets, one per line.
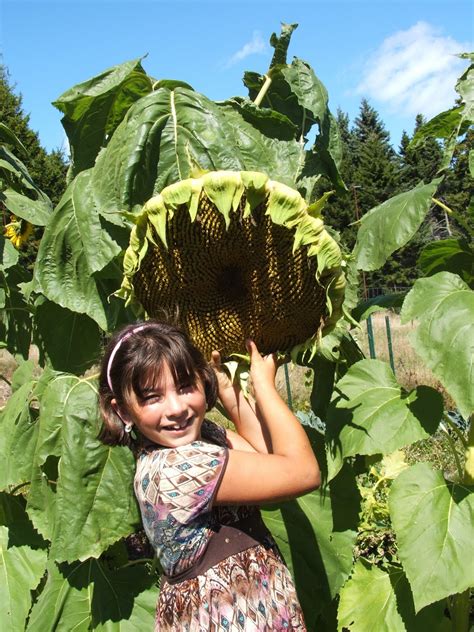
[420, 163]
[375, 167]
[47, 170]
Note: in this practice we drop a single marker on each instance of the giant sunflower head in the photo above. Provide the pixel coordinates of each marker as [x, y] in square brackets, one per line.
[237, 256]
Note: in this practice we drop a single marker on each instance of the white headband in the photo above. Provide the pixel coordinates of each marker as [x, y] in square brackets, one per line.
[117, 347]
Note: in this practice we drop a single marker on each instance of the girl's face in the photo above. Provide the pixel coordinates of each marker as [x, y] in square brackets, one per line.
[170, 414]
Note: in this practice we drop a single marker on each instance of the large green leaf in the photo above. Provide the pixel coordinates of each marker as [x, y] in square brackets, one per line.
[370, 414]
[379, 600]
[70, 341]
[91, 596]
[90, 480]
[93, 109]
[391, 225]
[299, 95]
[19, 431]
[21, 569]
[316, 535]
[74, 246]
[444, 306]
[16, 313]
[450, 255]
[170, 134]
[37, 211]
[433, 523]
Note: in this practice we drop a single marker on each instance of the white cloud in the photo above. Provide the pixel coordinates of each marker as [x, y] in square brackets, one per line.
[414, 71]
[255, 46]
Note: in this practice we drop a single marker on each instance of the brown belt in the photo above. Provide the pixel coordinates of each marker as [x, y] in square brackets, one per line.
[227, 540]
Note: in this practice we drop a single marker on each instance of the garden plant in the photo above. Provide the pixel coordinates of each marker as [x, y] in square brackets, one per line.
[383, 545]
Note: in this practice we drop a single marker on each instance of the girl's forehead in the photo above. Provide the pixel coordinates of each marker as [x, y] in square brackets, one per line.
[163, 375]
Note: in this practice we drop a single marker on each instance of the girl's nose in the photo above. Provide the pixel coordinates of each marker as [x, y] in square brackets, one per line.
[175, 405]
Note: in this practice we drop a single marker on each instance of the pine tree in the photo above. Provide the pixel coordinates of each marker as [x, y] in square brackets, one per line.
[375, 169]
[420, 163]
[47, 170]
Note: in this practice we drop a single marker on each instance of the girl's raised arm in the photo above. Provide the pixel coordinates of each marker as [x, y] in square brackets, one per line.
[242, 412]
[291, 469]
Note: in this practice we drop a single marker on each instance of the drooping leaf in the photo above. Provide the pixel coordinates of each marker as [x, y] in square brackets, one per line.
[93, 109]
[316, 534]
[21, 569]
[74, 246]
[385, 301]
[14, 174]
[91, 596]
[370, 414]
[450, 255]
[69, 340]
[271, 123]
[433, 523]
[170, 134]
[379, 600]
[7, 136]
[391, 225]
[441, 126]
[444, 338]
[37, 211]
[97, 477]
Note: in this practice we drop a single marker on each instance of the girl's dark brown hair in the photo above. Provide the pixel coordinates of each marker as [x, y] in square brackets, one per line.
[138, 363]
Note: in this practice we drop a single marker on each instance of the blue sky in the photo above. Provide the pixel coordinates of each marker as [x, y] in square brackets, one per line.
[397, 53]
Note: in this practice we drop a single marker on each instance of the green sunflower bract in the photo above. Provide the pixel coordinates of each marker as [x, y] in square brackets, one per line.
[237, 256]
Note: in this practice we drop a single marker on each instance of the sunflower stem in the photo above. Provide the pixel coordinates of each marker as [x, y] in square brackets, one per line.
[263, 90]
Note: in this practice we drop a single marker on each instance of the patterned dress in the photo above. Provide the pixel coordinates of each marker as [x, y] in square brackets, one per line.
[250, 591]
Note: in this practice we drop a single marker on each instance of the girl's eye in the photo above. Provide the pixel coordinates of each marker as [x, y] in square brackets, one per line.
[153, 397]
[186, 388]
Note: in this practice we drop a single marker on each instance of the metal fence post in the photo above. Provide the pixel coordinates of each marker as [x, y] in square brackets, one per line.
[370, 336]
[389, 343]
[288, 387]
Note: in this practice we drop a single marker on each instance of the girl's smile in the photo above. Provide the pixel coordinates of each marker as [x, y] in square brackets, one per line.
[170, 414]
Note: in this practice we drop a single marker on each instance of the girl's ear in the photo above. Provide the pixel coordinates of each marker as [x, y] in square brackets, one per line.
[113, 403]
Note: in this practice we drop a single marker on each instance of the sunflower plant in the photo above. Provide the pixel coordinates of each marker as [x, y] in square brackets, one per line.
[167, 190]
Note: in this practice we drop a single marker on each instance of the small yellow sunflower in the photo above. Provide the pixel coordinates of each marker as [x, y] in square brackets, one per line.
[18, 231]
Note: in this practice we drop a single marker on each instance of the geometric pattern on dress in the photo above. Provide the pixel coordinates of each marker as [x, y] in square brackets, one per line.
[175, 488]
[251, 591]
[183, 479]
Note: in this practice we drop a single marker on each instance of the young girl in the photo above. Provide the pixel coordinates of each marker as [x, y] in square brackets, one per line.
[198, 485]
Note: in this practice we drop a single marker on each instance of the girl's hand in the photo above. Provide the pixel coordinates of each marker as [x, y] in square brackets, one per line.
[224, 383]
[262, 368]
